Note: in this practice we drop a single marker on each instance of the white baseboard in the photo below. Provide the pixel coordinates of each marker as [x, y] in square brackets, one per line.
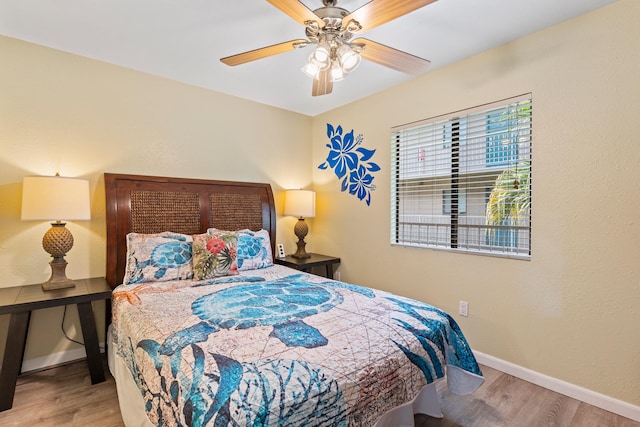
[580, 393]
[55, 359]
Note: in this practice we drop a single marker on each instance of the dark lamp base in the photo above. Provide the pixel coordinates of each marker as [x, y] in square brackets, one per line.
[52, 286]
[301, 256]
[301, 229]
[301, 253]
[58, 279]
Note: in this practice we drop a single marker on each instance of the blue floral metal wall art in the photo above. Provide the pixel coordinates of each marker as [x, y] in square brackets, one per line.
[351, 163]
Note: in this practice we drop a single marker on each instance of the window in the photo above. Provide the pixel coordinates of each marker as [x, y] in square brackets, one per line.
[462, 181]
[446, 201]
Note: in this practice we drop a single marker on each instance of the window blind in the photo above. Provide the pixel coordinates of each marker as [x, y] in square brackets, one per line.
[462, 181]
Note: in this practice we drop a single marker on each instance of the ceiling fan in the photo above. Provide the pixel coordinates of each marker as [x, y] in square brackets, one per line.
[331, 29]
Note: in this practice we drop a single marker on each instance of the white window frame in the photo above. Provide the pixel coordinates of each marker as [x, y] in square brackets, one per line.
[465, 155]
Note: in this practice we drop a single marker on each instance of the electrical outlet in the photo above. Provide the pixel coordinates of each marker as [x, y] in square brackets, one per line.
[281, 253]
[463, 308]
[336, 276]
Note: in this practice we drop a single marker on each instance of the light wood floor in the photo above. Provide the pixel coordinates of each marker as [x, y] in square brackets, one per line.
[64, 396]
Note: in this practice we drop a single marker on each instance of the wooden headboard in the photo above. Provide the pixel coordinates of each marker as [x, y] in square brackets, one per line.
[153, 204]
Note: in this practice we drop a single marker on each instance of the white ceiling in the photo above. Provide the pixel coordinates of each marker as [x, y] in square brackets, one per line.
[183, 40]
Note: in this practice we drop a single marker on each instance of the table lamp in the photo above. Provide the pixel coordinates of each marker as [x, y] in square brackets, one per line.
[56, 198]
[300, 203]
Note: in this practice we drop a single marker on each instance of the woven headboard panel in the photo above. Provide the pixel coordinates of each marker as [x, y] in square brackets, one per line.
[151, 204]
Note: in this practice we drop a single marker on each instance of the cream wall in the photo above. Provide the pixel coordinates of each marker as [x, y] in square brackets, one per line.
[68, 114]
[573, 311]
[570, 313]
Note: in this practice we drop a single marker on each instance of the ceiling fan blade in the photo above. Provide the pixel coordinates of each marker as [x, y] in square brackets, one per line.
[377, 12]
[296, 10]
[392, 58]
[323, 84]
[264, 52]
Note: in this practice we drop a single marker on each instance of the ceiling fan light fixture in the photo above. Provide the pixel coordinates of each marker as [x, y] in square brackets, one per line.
[319, 60]
[331, 29]
[311, 70]
[321, 56]
[337, 73]
[348, 58]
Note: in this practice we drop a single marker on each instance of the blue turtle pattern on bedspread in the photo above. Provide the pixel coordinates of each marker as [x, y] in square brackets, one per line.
[281, 351]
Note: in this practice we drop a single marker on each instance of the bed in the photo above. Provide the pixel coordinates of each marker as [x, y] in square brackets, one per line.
[206, 330]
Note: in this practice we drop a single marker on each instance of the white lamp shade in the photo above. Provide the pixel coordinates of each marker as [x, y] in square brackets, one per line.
[300, 203]
[321, 56]
[55, 198]
[311, 70]
[349, 59]
[336, 72]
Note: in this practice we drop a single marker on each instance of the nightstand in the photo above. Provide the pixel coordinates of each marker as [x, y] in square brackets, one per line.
[306, 264]
[19, 301]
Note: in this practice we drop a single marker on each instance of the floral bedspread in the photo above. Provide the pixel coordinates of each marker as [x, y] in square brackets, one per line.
[275, 347]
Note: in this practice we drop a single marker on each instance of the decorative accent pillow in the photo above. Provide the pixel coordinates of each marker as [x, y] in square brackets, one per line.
[254, 249]
[158, 257]
[215, 254]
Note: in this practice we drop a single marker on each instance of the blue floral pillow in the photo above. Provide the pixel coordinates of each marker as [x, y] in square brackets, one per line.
[254, 249]
[158, 257]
